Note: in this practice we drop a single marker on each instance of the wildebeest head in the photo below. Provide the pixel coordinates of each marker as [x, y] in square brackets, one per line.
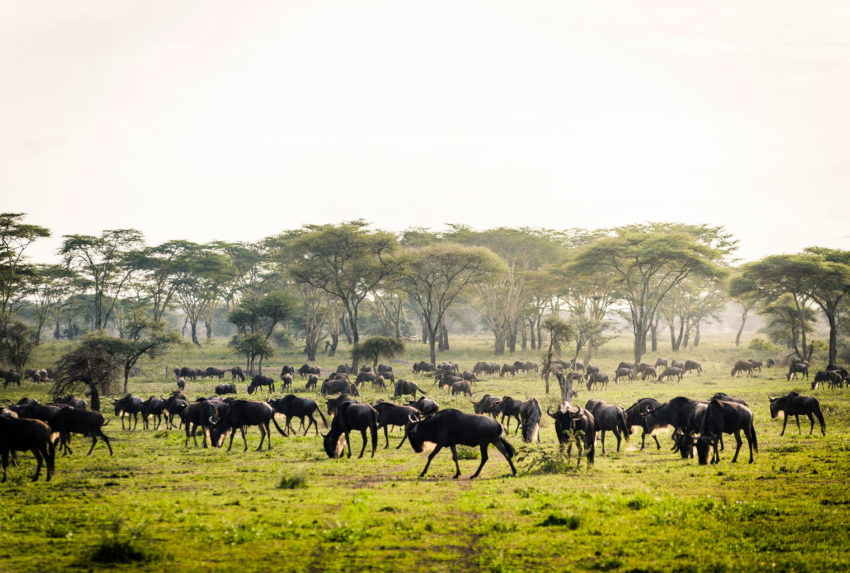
[334, 443]
[775, 406]
[413, 431]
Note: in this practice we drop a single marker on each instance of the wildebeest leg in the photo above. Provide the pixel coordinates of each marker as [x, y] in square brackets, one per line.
[38, 457]
[4, 455]
[122, 420]
[603, 442]
[262, 438]
[517, 424]
[348, 443]
[454, 457]
[403, 438]
[797, 417]
[738, 443]
[617, 435]
[386, 437]
[504, 452]
[812, 420]
[784, 423]
[105, 439]
[363, 449]
[232, 435]
[483, 461]
[437, 448]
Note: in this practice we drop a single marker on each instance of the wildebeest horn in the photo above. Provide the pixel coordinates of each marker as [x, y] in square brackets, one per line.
[548, 412]
[213, 420]
[411, 419]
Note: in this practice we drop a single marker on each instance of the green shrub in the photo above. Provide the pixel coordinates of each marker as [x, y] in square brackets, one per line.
[761, 345]
[292, 482]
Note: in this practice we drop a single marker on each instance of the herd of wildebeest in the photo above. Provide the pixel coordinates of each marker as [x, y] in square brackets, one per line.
[697, 424]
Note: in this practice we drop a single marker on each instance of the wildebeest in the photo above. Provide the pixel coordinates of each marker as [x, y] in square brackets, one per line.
[390, 414]
[636, 416]
[525, 366]
[488, 368]
[364, 377]
[10, 377]
[742, 366]
[795, 404]
[384, 369]
[425, 405]
[403, 387]
[236, 372]
[674, 413]
[181, 384]
[203, 413]
[174, 405]
[831, 377]
[487, 405]
[507, 369]
[469, 376]
[213, 372]
[670, 372]
[452, 428]
[647, 372]
[242, 413]
[74, 402]
[422, 366]
[623, 373]
[292, 406]
[153, 406]
[222, 389]
[260, 380]
[287, 370]
[343, 369]
[597, 378]
[692, 365]
[797, 368]
[730, 418]
[351, 416]
[677, 364]
[575, 425]
[190, 373]
[73, 421]
[335, 403]
[312, 382]
[628, 365]
[590, 370]
[26, 434]
[31, 408]
[307, 369]
[609, 417]
[509, 407]
[339, 386]
[461, 387]
[130, 405]
[286, 381]
[770, 362]
[530, 414]
[757, 364]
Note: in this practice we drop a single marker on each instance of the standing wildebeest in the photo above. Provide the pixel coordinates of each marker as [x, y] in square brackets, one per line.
[351, 416]
[420, 367]
[181, 384]
[25, 434]
[742, 366]
[674, 413]
[403, 387]
[287, 370]
[213, 372]
[343, 369]
[795, 404]
[623, 373]
[461, 387]
[335, 403]
[636, 416]
[677, 364]
[509, 407]
[174, 405]
[307, 369]
[590, 370]
[725, 417]
[757, 364]
[236, 372]
[507, 369]
[190, 373]
[364, 377]
[469, 376]
[486, 405]
[597, 378]
[73, 421]
[425, 405]
[797, 368]
[525, 366]
[831, 377]
[74, 402]
[312, 382]
[530, 414]
[390, 414]
[10, 377]
[130, 405]
[647, 372]
[339, 386]
[286, 380]
[575, 425]
[609, 417]
[260, 380]
[153, 406]
[452, 428]
[241, 413]
[670, 372]
[691, 365]
[661, 362]
[203, 413]
[292, 406]
[222, 389]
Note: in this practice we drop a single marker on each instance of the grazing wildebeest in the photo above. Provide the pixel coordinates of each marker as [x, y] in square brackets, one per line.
[661, 362]
[364, 377]
[242, 413]
[181, 384]
[190, 373]
[423, 366]
[26, 434]
[830, 377]
[351, 416]
[390, 414]
[153, 406]
[597, 378]
[530, 414]
[307, 369]
[461, 387]
[287, 370]
[73, 421]
[203, 413]
[649, 371]
[677, 364]
[260, 380]
[379, 383]
[590, 370]
[487, 405]
[403, 387]
[725, 417]
[236, 372]
[10, 377]
[691, 365]
[335, 403]
[425, 405]
[507, 369]
[312, 382]
[674, 413]
[757, 364]
[74, 402]
[213, 372]
[670, 372]
[488, 368]
[623, 373]
[222, 389]
[286, 380]
[130, 405]
[509, 407]
[636, 416]
[384, 369]
[797, 368]
[339, 386]
[742, 366]
[525, 366]
[292, 406]
[575, 425]
[609, 417]
[794, 404]
[452, 428]
[468, 376]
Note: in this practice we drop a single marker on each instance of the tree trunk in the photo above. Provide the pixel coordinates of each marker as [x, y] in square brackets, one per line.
[653, 331]
[260, 366]
[696, 334]
[126, 379]
[741, 328]
[194, 324]
[524, 337]
[499, 345]
[95, 397]
[444, 336]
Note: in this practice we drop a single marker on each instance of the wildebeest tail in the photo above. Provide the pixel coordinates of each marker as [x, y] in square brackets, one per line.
[819, 415]
[324, 421]
[51, 455]
[755, 439]
[279, 429]
[623, 422]
[507, 445]
[420, 389]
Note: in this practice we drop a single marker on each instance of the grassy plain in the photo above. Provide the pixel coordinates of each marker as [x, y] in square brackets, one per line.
[158, 505]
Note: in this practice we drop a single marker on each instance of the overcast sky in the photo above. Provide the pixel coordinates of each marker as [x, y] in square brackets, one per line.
[219, 120]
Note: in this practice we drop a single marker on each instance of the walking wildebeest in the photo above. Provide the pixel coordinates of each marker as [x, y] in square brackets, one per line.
[636, 416]
[422, 366]
[260, 380]
[241, 413]
[452, 428]
[292, 406]
[661, 362]
[73, 421]
[794, 404]
[509, 407]
[725, 417]
[575, 425]
[671, 371]
[351, 416]
[26, 434]
[609, 417]
[692, 365]
[236, 372]
[403, 387]
[390, 414]
[797, 368]
[595, 378]
[153, 406]
[487, 405]
[742, 366]
[130, 405]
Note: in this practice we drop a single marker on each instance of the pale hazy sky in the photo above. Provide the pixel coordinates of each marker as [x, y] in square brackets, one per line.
[236, 120]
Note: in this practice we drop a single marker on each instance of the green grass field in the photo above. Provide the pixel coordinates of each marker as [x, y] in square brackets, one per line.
[158, 505]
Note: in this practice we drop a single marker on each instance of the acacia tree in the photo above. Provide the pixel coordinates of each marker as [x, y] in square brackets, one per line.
[51, 287]
[830, 285]
[646, 264]
[15, 271]
[159, 270]
[375, 348]
[202, 272]
[436, 275]
[256, 317]
[559, 333]
[102, 261]
[16, 342]
[347, 261]
[89, 365]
